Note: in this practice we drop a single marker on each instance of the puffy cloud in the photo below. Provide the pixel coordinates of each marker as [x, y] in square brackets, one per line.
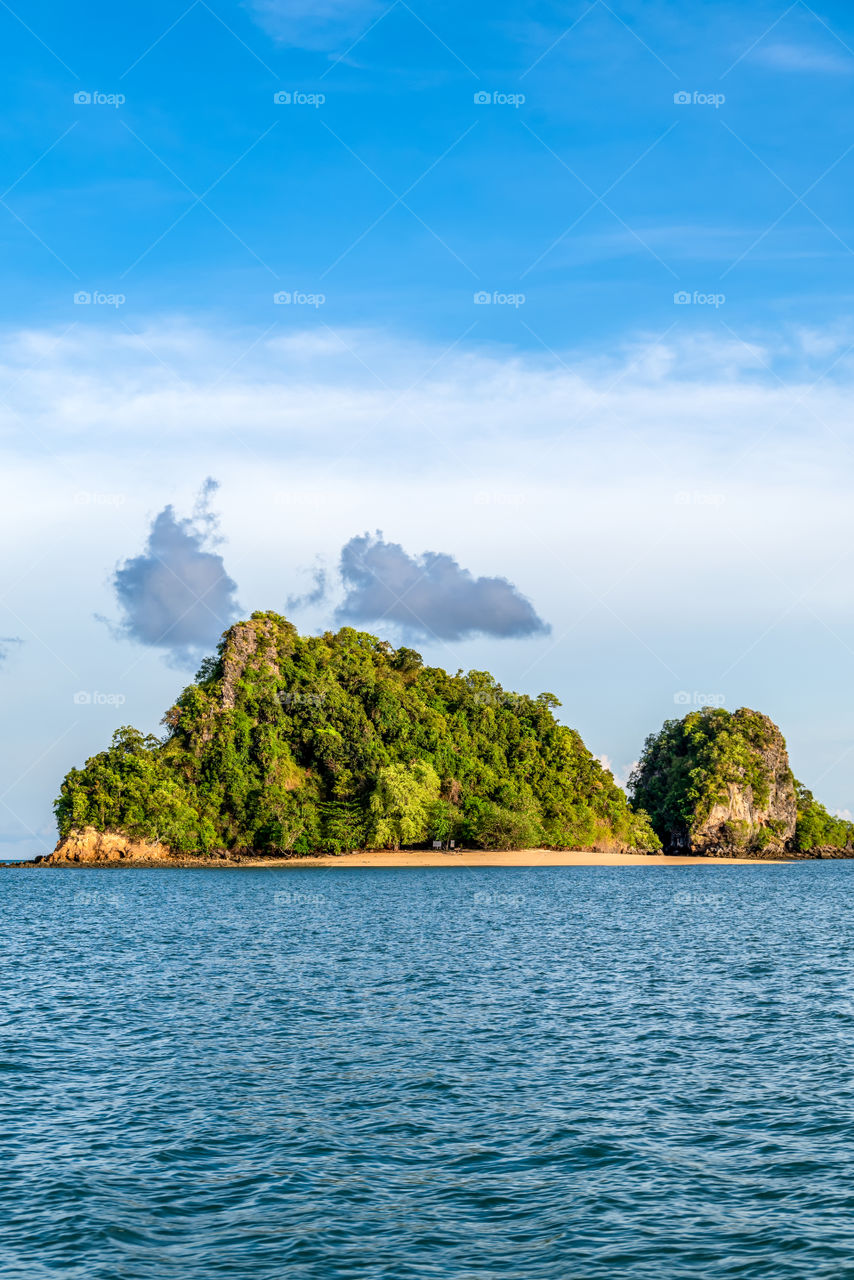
[177, 596]
[428, 596]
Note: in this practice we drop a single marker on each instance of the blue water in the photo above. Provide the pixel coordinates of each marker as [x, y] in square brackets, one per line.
[448, 1074]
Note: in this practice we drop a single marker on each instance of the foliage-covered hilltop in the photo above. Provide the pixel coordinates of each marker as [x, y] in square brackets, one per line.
[719, 782]
[297, 744]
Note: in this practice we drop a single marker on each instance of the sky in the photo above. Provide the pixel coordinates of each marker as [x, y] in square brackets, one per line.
[522, 335]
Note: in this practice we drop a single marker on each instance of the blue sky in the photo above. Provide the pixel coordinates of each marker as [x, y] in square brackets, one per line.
[645, 429]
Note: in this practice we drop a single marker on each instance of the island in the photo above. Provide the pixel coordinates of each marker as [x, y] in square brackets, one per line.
[289, 747]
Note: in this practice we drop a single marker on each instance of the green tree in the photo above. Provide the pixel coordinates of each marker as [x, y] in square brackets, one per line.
[818, 829]
[402, 804]
[343, 826]
[509, 828]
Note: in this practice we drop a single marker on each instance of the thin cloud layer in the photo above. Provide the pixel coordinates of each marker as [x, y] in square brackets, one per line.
[803, 57]
[176, 596]
[429, 596]
[324, 25]
[641, 412]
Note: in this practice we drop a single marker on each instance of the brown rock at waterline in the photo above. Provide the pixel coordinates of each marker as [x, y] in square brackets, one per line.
[105, 848]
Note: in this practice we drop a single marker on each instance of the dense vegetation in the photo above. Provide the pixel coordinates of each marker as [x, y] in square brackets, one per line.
[693, 764]
[295, 744]
[818, 829]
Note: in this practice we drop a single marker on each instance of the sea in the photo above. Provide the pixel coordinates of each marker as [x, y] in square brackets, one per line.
[566, 1073]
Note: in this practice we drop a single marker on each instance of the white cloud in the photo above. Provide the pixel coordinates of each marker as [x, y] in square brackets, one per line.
[620, 776]
[686, 458]
[625, 773]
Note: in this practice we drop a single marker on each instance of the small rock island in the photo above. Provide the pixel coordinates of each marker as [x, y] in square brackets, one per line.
[718, 784]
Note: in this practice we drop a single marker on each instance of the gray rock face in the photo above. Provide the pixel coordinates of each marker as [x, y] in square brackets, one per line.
[242, 642]
[739, 822]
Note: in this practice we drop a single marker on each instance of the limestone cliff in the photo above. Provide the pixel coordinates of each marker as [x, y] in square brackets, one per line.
[750, 818]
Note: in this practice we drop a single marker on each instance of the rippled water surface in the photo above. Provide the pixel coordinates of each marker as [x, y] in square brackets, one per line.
[449, 1074]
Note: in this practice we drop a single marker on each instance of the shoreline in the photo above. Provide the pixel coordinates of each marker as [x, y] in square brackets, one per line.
[403, 858]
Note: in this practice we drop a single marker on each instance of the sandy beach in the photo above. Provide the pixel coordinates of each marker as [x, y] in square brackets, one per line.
[512, 858]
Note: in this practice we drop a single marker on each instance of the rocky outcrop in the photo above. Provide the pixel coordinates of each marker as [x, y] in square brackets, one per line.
[243, 642]
[92, 848]
[106, 848]
[753, 819]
